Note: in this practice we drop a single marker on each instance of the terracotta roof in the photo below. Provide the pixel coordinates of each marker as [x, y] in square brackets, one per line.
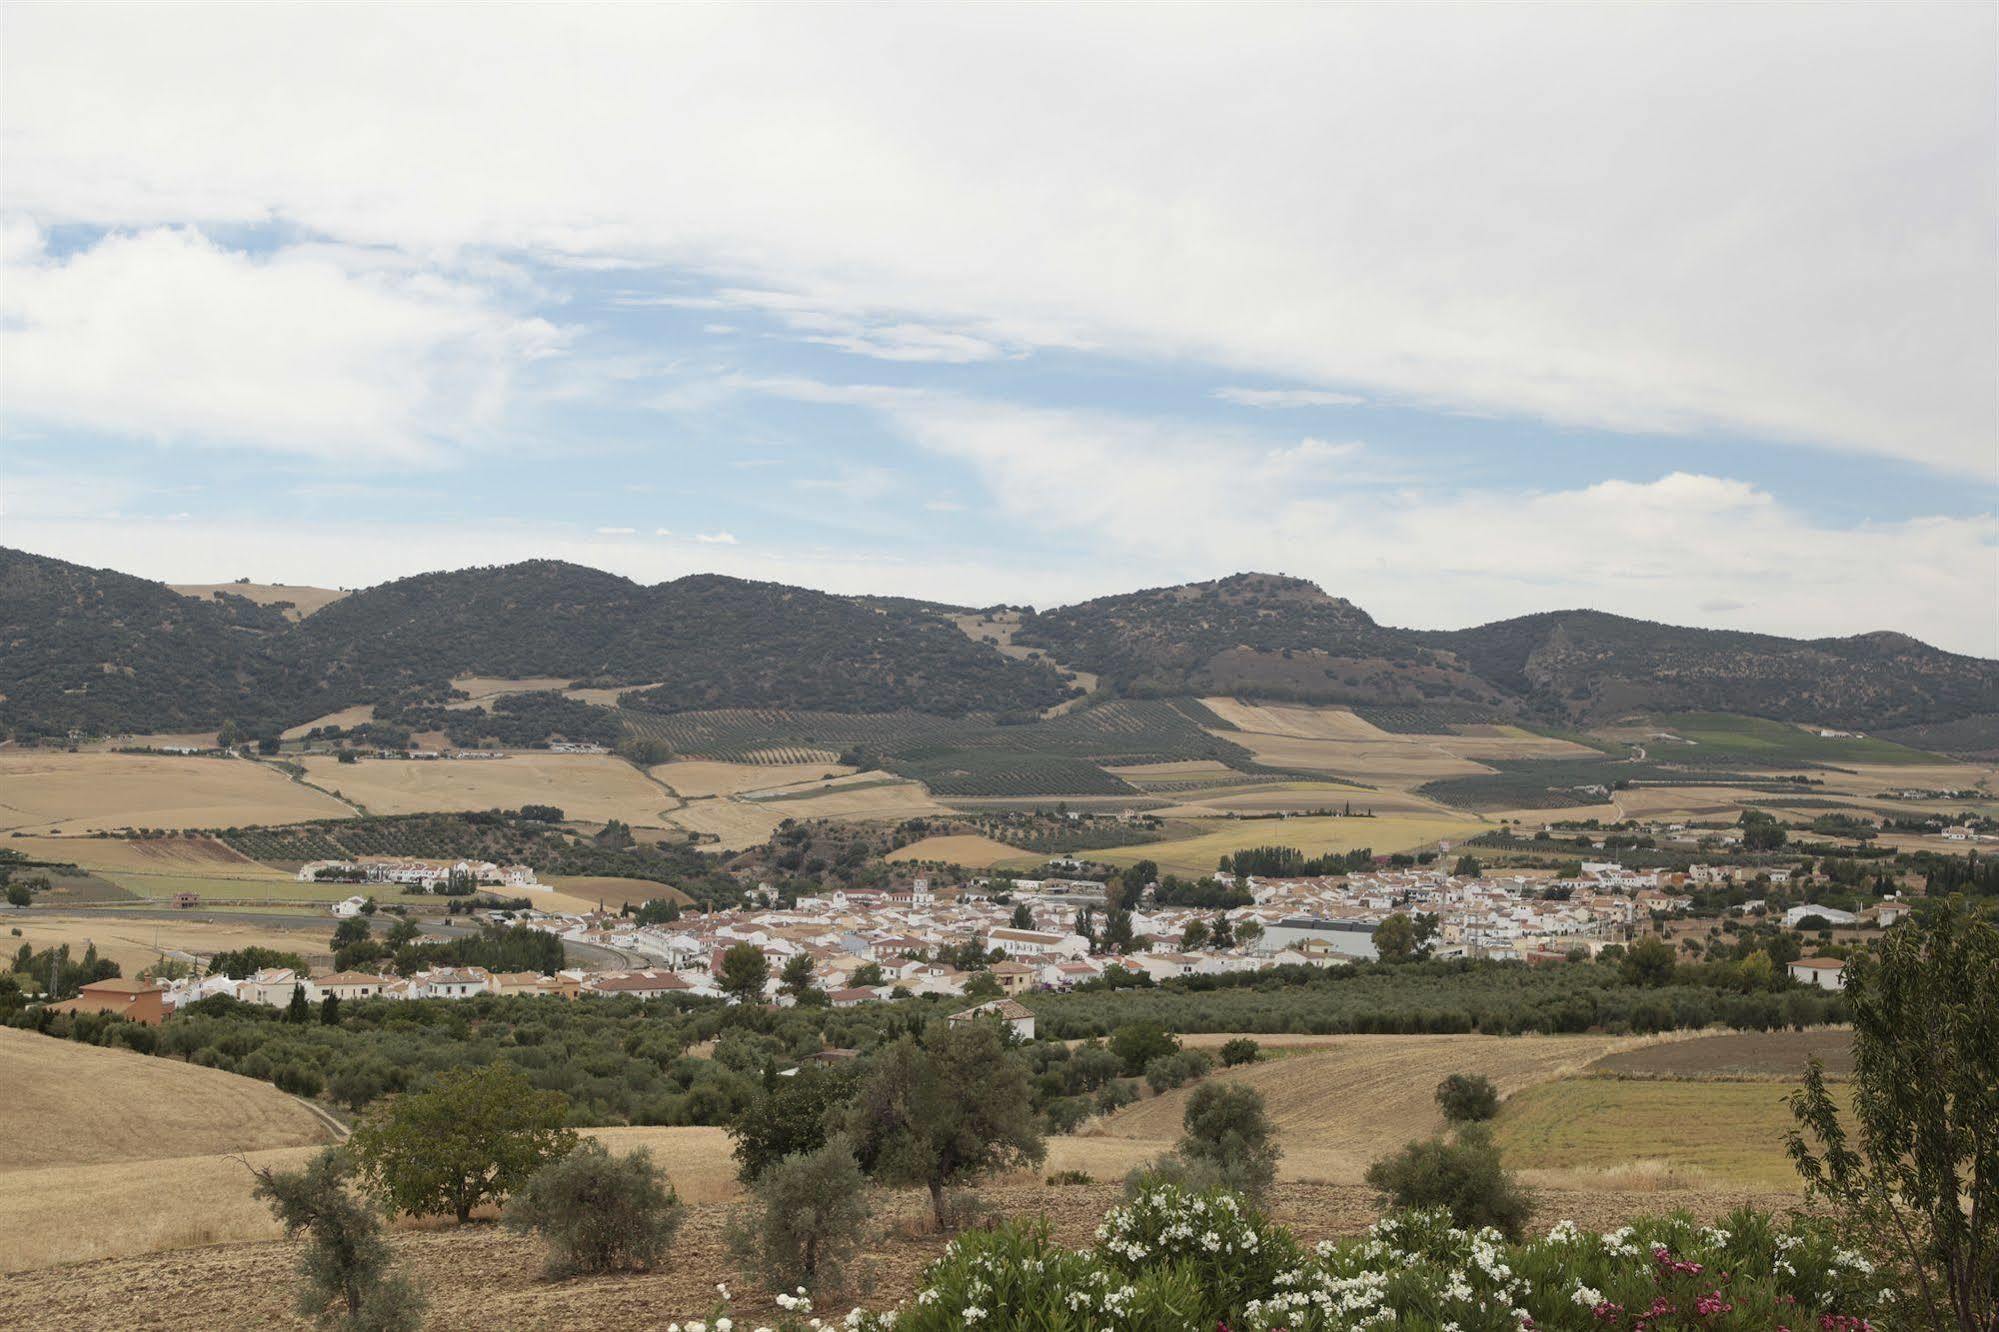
[1009, 1009]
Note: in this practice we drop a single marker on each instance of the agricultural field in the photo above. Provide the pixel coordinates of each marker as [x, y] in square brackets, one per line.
[1721, 735]
[112, 1105]
[587, 787]
[136, 942]
[344, 719]
[305, 600]
[1385, 834]
[693, 778]
[1728, 1132]
[1339, 1104]
[159, 867]
[1740, 1055]
[854, 799]
[1293, 797]
[969, 850]
[613, 892]
[79, 793]
[1387, 762]
[734, 824]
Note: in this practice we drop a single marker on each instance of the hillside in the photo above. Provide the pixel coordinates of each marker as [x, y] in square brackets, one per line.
[97, 1104]
[1255, 634]
[296, 601]
[1594, 667]
[110, 653]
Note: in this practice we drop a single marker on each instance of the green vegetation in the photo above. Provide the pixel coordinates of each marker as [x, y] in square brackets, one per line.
[1467, 1098]
[1719, 736]
[349, 1280]
[806, 1219]
[1463, 1177]
[598, 1212]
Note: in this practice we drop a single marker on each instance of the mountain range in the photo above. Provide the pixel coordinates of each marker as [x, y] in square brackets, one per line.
[108, 653]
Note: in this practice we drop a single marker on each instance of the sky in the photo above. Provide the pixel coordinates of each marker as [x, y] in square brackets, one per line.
[1689, 313]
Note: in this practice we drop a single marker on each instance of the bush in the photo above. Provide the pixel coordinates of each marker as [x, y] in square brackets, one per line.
[1066, 1177]
[1177, 1070]
[350, 1282]
[1464, 1177]
[1241, 1050]
[1115, 1096]
[1466, 1098]
[1226, 1128]
[1066, 1114]
[1137, 1044]
[807, 1218]
[597, 1212]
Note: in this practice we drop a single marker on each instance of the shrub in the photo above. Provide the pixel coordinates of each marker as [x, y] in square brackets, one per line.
[1241, 1050]
[1066, 1114]
[597, 1212]
[1464, 1177]
[1177, 1070]
[1064, 1177]
[350, 1282]
[1115, 1096]
[1467, 1098]
[1137, 1044]
[1226, 1128]
[807, 1218]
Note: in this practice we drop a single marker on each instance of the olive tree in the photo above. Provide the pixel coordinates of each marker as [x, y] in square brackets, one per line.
[473, 1136]
[350, 1281]
[1917, 1174]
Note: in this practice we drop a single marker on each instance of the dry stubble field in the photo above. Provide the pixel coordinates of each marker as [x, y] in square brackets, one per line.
[79, 793]
[589, 787]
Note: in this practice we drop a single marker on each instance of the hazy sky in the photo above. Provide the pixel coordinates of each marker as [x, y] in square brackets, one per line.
[1689, 313]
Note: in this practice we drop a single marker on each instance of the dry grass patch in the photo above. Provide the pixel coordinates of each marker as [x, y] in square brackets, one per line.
[1386, 834]
[878, 800]
[344, 719]
[1340, 1107]
[586, 787]
[590, 889]
[136, 942]
[1729, 1130]
[694, 778]
[69, 1104]
[76, 793]
[1298, 721]
[733, 823]
[967, 849]
[305, 600]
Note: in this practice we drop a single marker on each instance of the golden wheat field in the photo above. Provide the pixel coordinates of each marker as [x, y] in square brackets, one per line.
[588, 787]
[733, 824]
[967, 849]
[1293, 797]
[694, 778]
[73, 793]
[1385, 834]
[95, 1105]
[613, 892]
[344, 718]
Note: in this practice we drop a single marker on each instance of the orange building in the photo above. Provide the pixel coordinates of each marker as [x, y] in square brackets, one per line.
[137, 1000]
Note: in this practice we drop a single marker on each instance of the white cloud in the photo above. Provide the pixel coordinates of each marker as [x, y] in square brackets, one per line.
[165, 335]
[716, 538]
[1499, 209]
[616, 531]
[662, 531]
[1248, 397]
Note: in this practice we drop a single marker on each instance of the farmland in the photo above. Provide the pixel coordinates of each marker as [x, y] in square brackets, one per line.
[1753, 739]
[695, 778]
[135, 942]
[970, 851]
[159, 867]
[304, 600]
[592, 787]
[42, 791]
[1198, 854]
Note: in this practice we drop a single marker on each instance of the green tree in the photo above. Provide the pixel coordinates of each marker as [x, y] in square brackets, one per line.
[597, 1212]
[1022, 918]
[1467, 868]
[1917, 1174]
[350, 1282]
[329, 1011]
[299, 1009]
[796, 980]
[806, 1219]
[1395, 939]
[744, 971]
[473, 1136]
[1649, 962]
[868, 975]
[790, 1116]
[1228, 1130]
[983, 985]
[1137, 1044]
[1467, 1098]
[1222, 933]
[1464, 1176]
[1195, 935]
[18, 895]
[955, 1106]
[1117, 934]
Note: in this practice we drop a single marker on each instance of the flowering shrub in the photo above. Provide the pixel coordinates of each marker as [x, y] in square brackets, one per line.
[1207, 1262]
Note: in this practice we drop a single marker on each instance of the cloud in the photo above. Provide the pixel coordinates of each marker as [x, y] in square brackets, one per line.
[715, 538]
[616, 531]
[1248, 397]
[166, 335]
[1519, 211]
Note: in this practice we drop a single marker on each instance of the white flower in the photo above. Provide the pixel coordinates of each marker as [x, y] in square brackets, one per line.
[1586, 1297]
[972, 1313]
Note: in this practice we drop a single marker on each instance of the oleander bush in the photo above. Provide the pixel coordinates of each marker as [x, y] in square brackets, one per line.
[1176, 1261]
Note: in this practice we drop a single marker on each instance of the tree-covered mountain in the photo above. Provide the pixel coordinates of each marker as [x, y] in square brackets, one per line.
[106, 652]
[1255, 634]
[1592, 666]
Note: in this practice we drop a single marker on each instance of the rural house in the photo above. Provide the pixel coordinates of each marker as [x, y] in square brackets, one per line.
[1018, 1018]
[139, 1001]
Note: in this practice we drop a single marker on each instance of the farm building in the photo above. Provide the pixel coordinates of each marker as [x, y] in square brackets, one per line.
[1827, 973]
[1017, 1016]
[138, 1001]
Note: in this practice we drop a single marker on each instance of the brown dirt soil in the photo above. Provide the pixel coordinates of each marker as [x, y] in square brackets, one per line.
[1778, 1056]
[482, 1276]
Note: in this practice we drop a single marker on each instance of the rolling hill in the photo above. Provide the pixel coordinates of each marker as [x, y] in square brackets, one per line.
[108, 653]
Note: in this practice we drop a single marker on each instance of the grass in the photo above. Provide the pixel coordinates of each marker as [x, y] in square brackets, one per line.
[1721, 734]
[1729, 1130]
[79, 793]
[693, 778]
[1388, 833]
[966, 849]
[135, 942]
[588, 787]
